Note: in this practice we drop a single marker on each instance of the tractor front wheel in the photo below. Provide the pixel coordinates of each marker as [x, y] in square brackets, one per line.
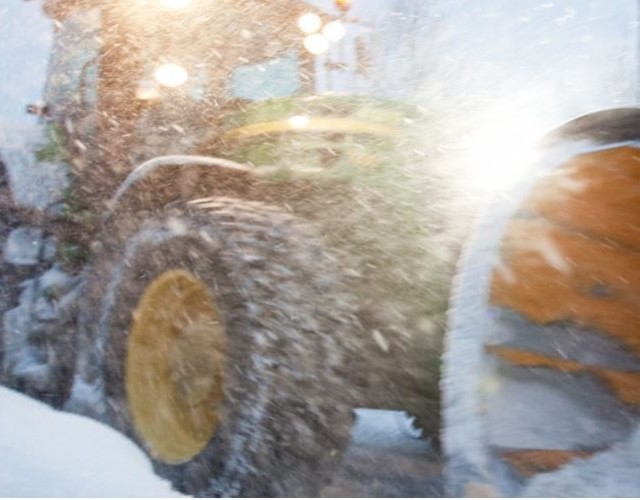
[221, 330]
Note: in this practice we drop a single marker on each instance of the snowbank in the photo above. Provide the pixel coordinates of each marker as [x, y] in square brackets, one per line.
[47, 453]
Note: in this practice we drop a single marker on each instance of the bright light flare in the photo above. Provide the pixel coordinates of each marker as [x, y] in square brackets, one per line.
[309, 23]
[171, 75]
[147, 90]
[500, 154]
[316, 44]
[176, 4]
[334, 31]
[299, 122]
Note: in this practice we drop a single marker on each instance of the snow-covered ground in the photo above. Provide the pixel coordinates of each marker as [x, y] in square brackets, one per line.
[47, 453]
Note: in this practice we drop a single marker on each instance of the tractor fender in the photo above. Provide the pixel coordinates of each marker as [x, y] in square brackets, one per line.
[470, 373]
[183, 161]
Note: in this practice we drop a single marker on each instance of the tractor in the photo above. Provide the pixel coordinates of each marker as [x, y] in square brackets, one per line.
[257, 259]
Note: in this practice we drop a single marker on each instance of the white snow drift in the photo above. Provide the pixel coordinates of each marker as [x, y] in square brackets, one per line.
[47, 453]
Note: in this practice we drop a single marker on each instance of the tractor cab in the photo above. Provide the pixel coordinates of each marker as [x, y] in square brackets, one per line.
[253, 82]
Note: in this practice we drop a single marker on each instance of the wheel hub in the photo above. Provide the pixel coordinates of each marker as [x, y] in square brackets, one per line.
[190, 361]
[175, 365]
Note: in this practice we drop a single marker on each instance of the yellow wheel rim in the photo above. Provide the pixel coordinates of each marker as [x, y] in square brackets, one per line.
[174, 367]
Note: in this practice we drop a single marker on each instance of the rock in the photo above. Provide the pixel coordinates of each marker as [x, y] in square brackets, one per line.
[15, 341]
[34, 184]
[45, 310]
[28, 294]
[38, 337]
[52, 183]
[47, 298]
[23, 359]
[67, 305]
[38, 374]
[86, 399]
[58, 209]
[50, 249]
[50, 297]
[54, 284]
[23, 246]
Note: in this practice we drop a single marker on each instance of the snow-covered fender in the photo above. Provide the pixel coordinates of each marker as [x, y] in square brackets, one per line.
[183, 161]
[542, 359]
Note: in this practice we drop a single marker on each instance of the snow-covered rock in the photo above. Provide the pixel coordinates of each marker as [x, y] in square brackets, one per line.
[18, 354]
[47, 453]
[56, 283]
[49, 249]
[34, 184]
[38, 336]
[86, 399]
[23, 246]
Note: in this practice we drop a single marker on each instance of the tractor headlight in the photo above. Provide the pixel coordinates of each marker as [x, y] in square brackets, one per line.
[316, 44]
[310, 23]
[171, 75]
[334, 31]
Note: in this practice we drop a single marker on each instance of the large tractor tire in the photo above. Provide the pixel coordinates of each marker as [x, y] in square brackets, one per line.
[542, 362]
[220, 331]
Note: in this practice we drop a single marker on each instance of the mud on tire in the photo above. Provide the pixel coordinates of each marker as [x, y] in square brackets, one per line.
[289, 328]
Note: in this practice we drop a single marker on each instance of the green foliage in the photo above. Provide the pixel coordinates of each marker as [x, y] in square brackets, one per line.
[55, 151]
[79, 223]
[365, 108]
[73, 256]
